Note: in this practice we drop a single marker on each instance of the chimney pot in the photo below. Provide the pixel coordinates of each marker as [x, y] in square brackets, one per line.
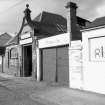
[71, 5]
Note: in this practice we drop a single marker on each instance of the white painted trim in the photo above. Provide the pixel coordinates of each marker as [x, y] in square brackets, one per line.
[57, 40]
[26, 41]
[93, 28]
[24, 36]
[93, 33]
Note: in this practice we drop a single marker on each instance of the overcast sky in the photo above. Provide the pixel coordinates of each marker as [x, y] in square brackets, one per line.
[11, 11]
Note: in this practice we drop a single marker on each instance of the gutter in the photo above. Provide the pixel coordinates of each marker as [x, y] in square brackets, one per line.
[93, 28]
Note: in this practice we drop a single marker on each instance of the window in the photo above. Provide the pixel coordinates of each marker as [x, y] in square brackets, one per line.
[13, 53]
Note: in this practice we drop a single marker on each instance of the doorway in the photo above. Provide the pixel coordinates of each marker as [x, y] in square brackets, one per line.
[27, 61]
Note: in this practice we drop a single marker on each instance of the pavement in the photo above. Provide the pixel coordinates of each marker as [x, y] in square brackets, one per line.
[49, 94]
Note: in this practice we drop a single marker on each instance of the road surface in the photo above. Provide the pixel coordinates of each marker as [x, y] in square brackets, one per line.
[14, 95]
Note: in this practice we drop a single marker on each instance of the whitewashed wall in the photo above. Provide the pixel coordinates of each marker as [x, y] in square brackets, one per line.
[76, 73]
[94, 60]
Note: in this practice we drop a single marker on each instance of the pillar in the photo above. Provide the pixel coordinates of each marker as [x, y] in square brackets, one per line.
[34, 55]
[71, 28]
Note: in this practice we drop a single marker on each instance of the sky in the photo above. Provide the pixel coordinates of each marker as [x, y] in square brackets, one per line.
[12, 11]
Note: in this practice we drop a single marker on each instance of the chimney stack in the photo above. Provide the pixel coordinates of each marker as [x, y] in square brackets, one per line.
[72, 27]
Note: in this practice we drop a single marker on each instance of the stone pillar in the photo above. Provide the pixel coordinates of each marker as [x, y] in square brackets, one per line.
[34, 55]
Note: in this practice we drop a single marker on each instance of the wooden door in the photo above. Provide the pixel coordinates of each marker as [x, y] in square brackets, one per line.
[63, 65]
[49, 64]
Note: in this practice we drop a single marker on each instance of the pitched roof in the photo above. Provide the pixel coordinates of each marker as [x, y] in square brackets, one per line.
[47, 24]
[51, 23]
[4, 38]
[13, 40]
[50, 18]
[96, 23]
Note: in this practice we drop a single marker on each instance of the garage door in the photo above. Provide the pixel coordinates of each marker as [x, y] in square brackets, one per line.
[49, 65]
[63, 65]
[56, 65]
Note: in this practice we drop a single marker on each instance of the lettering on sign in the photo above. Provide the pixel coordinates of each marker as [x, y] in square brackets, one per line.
[97, 49]
[100, 52]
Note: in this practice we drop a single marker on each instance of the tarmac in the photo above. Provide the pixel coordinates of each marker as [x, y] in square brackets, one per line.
[49, 94]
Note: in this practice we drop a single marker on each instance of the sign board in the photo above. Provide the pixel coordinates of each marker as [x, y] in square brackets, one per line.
[97, 49]
[25, 36]
[26, 41]
[57, 40]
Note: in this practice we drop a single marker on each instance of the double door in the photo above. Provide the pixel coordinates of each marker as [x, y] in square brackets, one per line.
[55, 65]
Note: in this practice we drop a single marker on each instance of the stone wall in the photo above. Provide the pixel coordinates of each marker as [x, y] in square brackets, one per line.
[11, 60]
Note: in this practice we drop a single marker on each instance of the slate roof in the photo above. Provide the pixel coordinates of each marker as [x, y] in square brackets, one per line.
[96, 23]
[50, 18]
[13, 40]
[53, 24]
[50, 23]
[4, 38]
